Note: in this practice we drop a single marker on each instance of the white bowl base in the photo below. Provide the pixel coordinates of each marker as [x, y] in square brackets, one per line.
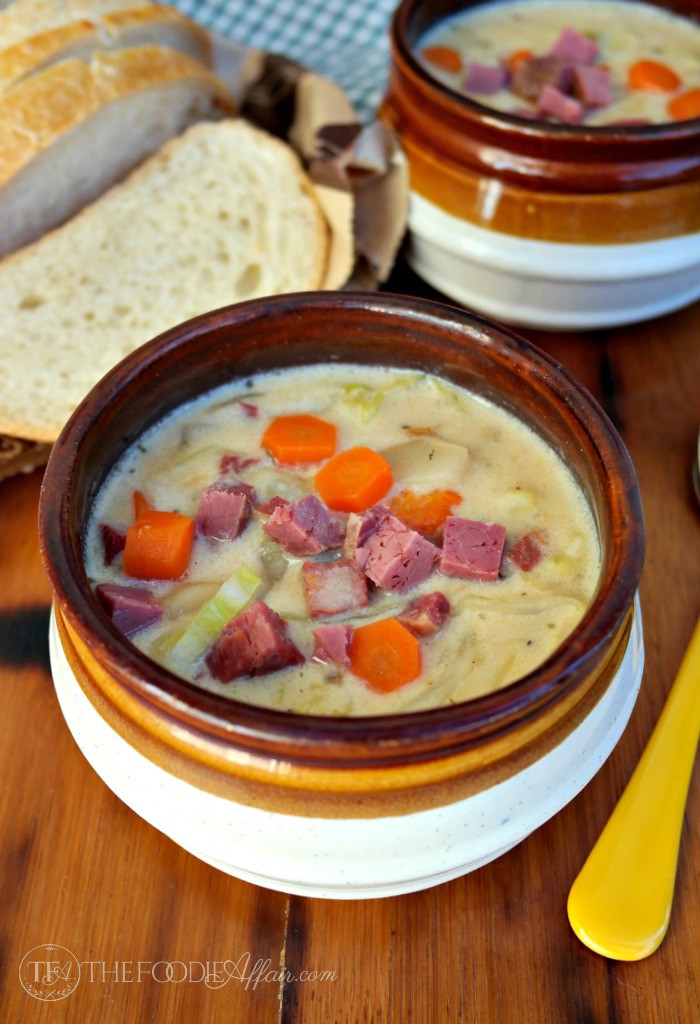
[551, 285]
[356, 857]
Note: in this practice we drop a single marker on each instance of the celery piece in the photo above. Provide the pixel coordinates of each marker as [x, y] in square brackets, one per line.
[163, 645]
[231, 598]
[368, 400]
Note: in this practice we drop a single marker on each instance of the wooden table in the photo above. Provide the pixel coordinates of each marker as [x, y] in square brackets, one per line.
[80, 870]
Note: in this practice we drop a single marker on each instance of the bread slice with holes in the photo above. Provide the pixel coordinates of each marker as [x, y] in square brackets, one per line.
[221, 214]
[71, 131]
[111, 30]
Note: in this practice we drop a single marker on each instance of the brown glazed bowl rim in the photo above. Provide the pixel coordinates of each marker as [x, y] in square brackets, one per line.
[311, 739]
[473, 111]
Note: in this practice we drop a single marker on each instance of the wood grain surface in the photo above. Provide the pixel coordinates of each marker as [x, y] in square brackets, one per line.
[80, 870]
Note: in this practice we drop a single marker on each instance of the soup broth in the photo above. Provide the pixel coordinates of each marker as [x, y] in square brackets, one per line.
[453, 459]
[643, 65]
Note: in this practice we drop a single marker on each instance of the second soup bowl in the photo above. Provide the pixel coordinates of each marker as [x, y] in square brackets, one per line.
[542, 224]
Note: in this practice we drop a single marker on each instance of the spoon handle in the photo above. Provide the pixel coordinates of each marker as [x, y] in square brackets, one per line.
[620, 903]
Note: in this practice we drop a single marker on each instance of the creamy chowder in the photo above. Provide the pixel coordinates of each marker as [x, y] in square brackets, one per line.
[599, 61]
[297, 508]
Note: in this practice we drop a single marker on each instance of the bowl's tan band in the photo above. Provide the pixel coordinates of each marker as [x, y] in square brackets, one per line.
[277, 785]
[591, 219]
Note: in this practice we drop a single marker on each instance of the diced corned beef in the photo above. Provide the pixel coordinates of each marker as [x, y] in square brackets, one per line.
[224, 509]
[305, 527]
[113, 541]
[553, 103]
[129, 608]
[268, 507]
[484, 79]
[425, 615]
[360, 526]
[236, 463]
[593, 86]
[333, 587]
[574, 47]
[332, 644]
[252, 643]
[528, 551]
[532, 74]
[472, 550]
[249, 408]
[395, 557]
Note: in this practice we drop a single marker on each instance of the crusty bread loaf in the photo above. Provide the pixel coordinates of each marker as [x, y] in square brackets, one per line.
[70, 131]
[221, 214]
[137, 26]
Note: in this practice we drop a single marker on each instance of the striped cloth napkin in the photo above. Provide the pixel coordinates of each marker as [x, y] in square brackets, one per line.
[346, 40]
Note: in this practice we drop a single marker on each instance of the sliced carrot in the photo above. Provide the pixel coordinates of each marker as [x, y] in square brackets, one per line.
[515, 60]
[443, 57]
[158, 546]
[652, 76]
[425, 513]
[385, 655]
[685, 106]
[301, 438]
[354, 479]
[141, 504]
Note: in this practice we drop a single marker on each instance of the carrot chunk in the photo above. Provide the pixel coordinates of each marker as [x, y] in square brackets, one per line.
[652, 76]
[158, 546]
[141, 504]
[300, 438]
[354, 479]
[514, 61]
[385, 654]
[425, 513]
[685, 106]
[443, 57]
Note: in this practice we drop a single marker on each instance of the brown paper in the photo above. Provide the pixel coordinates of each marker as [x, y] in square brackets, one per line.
[360, 174]
[19, 456]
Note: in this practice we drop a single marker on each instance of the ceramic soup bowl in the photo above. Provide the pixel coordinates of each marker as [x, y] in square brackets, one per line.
[343, 807]
[536, 223]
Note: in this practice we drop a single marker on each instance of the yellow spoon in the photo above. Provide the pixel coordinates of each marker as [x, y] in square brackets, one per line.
[620, 904]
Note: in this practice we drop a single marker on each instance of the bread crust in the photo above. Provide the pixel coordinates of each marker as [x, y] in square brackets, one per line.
[37, 111]
[38, 51]
[23, 18]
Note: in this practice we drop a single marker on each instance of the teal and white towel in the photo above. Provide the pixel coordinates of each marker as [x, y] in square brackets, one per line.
[346, 40]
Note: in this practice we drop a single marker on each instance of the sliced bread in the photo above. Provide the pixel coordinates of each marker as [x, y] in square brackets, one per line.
[221, 214]
[137, 26]
[71, 131]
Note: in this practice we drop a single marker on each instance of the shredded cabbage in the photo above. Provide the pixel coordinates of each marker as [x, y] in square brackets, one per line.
[368, 400]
